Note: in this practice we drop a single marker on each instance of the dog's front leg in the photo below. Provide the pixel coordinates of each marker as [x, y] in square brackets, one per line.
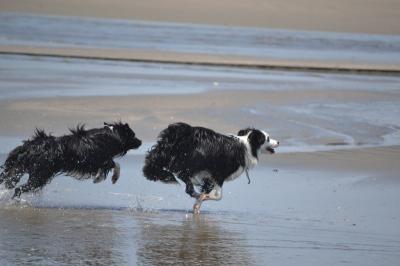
[116, 173]
[197, 204]
[215, 194]
[190, 190]
[100, 176]
[34, 183]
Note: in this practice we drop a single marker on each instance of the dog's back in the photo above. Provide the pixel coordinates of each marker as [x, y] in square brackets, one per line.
[186, 150]
[86, 151]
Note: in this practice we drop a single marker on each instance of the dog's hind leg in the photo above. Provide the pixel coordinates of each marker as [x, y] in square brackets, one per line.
[215, 194]
[116, 172]
[2, 177]
[156, 172]
[10, 178]
[190, 189]
[100, 176]
[33, 183]
[103, 171]
[185, 177]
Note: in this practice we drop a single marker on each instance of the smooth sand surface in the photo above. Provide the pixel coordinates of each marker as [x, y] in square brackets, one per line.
[364, 16]
[151, 113]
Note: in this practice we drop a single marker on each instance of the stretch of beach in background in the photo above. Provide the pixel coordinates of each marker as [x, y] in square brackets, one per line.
[201, 44]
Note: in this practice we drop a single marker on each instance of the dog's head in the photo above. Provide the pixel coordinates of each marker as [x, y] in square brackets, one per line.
[259, 140]
[125, 133]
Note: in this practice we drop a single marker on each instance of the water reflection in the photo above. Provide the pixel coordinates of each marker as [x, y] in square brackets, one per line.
[62, 237]
[193, 241]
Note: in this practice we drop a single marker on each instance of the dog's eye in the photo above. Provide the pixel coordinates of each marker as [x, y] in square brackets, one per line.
[267, 139]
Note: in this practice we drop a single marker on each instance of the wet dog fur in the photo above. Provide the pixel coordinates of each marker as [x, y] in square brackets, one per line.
[82, 154]
[203, 158]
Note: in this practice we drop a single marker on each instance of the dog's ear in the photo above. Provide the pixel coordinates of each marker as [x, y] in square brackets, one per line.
[243, 132]
[110, 126]
[257, 138]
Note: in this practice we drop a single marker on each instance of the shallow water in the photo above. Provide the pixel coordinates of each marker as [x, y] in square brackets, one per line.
[59, 31]
[41, 76]
[275, 218]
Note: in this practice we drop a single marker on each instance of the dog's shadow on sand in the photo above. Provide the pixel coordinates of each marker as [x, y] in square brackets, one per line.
[196, 239]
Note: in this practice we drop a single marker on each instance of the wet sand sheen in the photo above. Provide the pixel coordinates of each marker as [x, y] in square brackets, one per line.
[298, 215]
[215, 110]
[54, 94]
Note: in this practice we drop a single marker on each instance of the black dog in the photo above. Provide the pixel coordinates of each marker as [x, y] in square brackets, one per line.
[201, 157]
[82, 154]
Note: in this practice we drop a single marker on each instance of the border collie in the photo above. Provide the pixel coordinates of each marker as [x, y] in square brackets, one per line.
[82, 154]
[203, 158]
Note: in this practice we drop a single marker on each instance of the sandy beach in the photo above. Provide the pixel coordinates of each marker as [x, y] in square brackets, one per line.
[164, 109]
[374, 17]
[322, 77]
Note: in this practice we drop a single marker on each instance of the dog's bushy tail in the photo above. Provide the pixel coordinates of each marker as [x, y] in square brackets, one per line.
[12, 169]
[2, 174]
[161, 154]
[20, 158]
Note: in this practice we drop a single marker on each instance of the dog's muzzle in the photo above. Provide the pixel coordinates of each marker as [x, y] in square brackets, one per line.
[136, 143]
[270, 150]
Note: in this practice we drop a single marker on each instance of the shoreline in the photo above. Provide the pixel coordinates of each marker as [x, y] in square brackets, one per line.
[328, 66]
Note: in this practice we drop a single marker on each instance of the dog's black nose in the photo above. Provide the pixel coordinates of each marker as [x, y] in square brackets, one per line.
[138, 142]
[278, 142]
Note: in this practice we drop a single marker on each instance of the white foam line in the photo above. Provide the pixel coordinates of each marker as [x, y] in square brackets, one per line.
[318, 148]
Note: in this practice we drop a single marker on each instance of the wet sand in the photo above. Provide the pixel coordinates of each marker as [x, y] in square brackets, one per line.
[374, 17]
[56, 94]
[300, 214]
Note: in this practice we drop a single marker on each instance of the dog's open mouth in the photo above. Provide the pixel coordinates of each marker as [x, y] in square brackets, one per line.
[271, 150]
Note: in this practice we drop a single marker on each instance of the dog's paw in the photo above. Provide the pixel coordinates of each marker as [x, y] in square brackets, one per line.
[17, 193]
[98, 180]
[114, 179]
[101, 176]
[196, 208]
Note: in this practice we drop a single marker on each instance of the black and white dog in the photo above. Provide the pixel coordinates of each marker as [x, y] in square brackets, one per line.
[203, 158]
[82, 154]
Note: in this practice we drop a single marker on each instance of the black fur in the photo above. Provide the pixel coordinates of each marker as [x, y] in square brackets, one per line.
[256, 139]
[183, 151]
[83, 154]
